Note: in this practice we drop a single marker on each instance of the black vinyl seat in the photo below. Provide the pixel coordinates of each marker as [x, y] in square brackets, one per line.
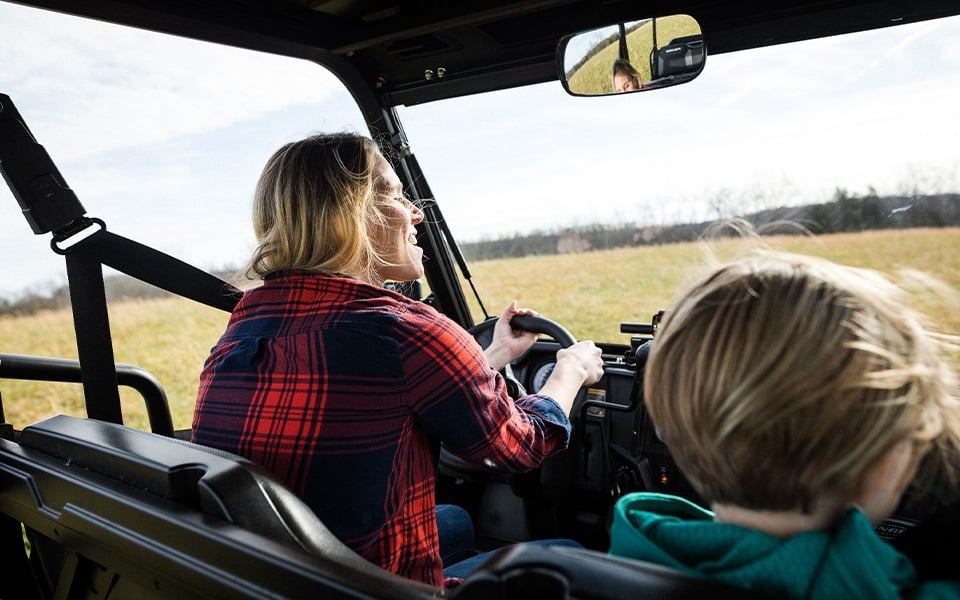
[151, 516]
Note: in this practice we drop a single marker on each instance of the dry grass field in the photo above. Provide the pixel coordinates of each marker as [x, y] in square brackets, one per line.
[590, 293]
[169, 337]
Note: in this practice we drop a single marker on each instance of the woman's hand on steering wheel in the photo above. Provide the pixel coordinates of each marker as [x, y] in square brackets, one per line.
[509, 344]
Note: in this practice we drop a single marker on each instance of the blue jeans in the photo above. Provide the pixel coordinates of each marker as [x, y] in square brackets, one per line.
[456, 533]
[457, 549]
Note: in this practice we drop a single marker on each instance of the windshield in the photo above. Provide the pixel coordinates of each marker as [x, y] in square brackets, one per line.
[581, 208]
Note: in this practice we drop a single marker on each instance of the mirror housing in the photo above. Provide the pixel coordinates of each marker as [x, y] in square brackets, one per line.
[634, 56]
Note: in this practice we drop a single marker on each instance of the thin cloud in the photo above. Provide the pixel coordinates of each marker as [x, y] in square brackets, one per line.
[63, 67]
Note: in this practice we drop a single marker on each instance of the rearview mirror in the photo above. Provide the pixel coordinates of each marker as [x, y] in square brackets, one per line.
[634, 56]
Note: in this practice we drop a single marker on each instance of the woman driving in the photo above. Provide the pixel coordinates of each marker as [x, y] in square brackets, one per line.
[344, 389]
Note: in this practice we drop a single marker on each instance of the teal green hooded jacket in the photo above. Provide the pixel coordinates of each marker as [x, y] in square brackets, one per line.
[849, 562]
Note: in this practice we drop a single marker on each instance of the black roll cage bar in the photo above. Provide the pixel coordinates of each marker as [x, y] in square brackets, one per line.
[64, 370]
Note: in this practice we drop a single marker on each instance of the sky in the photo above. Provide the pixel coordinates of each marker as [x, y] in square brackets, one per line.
[163, 138]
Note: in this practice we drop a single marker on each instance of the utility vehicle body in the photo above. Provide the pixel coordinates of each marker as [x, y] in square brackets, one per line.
[109, 511]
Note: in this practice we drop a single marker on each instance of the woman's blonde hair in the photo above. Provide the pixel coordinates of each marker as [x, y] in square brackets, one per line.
[313, 207]
[777, 379]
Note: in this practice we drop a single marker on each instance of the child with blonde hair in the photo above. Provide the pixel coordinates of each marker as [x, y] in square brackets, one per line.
[799, 397]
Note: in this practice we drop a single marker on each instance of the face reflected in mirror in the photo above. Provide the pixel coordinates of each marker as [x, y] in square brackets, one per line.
[632, 56]
[625, 77]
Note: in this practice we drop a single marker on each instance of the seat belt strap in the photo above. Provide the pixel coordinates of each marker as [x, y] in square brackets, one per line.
[90, 316]
[94, 345]
[161, 270]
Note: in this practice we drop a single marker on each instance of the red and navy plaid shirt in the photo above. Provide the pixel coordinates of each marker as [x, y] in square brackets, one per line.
[345, 390]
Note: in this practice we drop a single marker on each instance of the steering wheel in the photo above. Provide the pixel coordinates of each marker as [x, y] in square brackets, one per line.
[483, 333]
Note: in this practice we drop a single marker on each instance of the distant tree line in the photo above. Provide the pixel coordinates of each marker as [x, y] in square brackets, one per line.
[844, 213]
[116, 287]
